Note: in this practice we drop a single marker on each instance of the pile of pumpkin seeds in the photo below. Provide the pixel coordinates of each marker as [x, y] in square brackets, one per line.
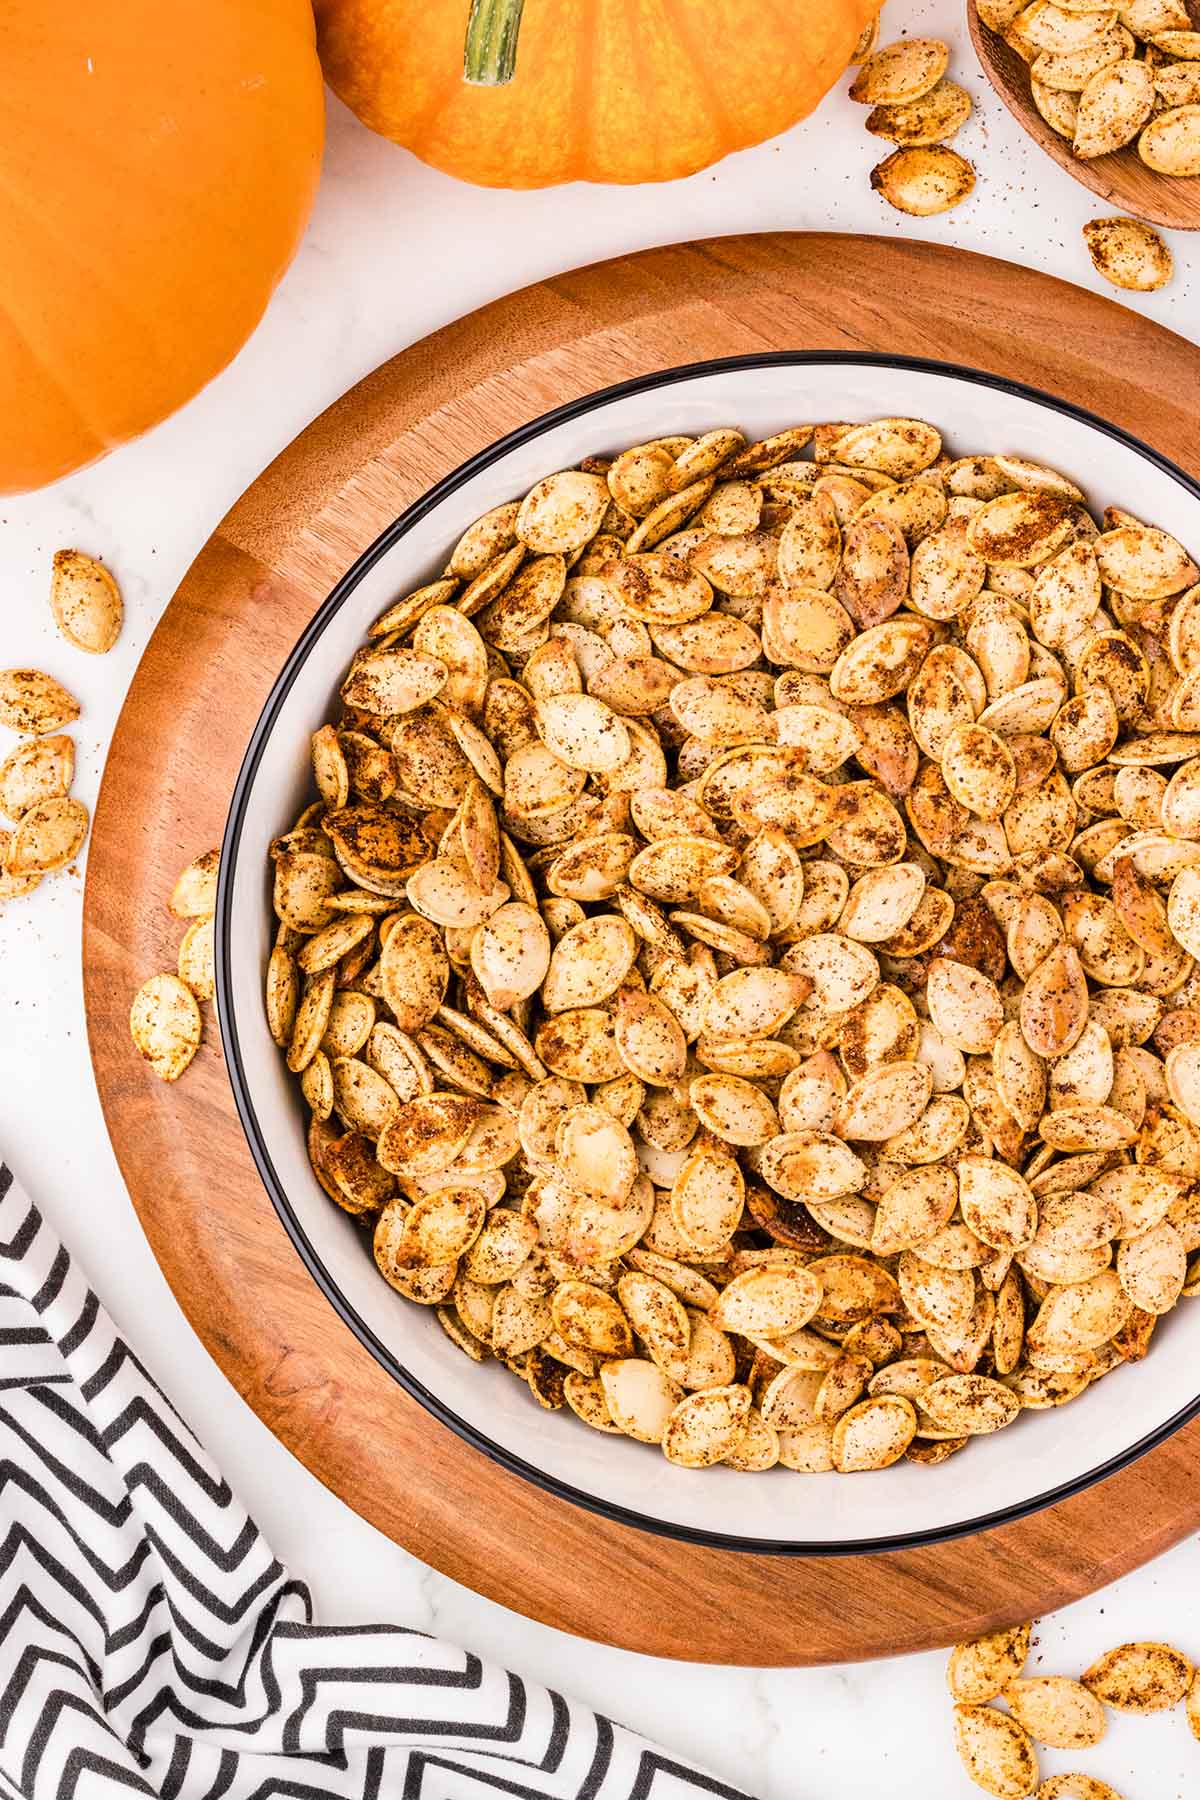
[917, 108]
[740, 960]
[165, 1021]
[997, 1748]
[49, 826]
[1106, 76]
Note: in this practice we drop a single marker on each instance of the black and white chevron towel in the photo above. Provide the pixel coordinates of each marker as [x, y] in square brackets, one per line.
[150, 1642]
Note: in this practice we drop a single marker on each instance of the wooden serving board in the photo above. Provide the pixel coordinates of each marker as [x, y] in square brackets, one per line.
[171, 769]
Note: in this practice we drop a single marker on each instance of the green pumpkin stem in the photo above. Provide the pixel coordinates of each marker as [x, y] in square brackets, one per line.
[490, 57]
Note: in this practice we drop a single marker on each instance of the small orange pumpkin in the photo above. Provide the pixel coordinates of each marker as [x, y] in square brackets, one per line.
[640, 90]
[157, 165]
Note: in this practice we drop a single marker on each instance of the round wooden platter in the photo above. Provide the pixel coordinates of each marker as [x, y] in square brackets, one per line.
[170, 772]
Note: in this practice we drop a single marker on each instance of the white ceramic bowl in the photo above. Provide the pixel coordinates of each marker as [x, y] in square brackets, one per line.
[1044, 1456]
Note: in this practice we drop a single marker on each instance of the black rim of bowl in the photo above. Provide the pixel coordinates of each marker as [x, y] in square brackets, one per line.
[392, 535]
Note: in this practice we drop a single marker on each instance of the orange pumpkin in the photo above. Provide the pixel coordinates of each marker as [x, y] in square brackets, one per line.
[603, 90]
[157, 164]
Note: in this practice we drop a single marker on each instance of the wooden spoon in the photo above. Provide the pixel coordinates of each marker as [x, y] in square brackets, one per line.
[1122, 180]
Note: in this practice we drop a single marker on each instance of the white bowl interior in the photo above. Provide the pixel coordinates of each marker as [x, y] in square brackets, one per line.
[1042, 1452]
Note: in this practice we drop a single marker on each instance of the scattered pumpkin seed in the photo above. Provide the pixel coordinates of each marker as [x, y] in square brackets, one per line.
[932, 118]
[983, 1667]
[1129, 253]
[86, 601]
[46, 837]
[924, 180]
[901, 71]
[995, 1751]
[1057, 1712]
[1140, 1678]
[33, 702]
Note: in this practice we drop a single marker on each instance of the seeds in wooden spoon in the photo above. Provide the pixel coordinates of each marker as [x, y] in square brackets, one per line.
[196, 966]
[195, 892]
[1183, 43]
[1099, 78]
[998, 15]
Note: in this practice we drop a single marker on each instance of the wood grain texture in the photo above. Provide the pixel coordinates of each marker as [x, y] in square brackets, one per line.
[174, 757]
[1121, 180]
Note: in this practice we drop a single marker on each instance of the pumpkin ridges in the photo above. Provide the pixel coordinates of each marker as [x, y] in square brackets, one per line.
[580, 113]
[622, 109]
[723, 126]
[622, 52]
[423, 46]
[552, 68]
[442, 80]
[701, 111]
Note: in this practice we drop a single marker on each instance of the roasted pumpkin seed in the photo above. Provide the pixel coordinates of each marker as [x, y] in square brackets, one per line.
[1140, 1678]
[33, 702]
[86, 601]
[165, 1025]
[923, 181]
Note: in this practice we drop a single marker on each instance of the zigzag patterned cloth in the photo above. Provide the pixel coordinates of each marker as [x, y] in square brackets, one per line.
[151, 1642]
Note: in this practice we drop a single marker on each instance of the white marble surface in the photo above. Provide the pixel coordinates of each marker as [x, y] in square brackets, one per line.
[393, 251]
